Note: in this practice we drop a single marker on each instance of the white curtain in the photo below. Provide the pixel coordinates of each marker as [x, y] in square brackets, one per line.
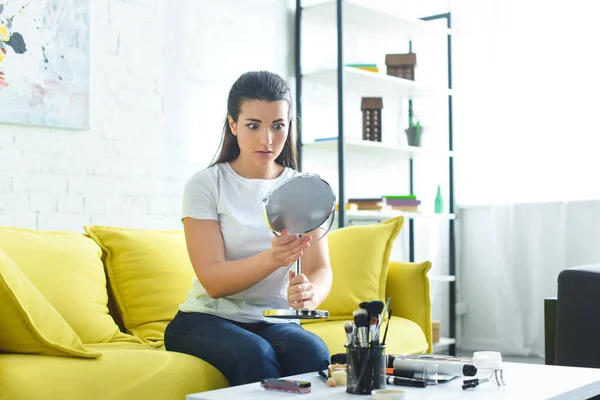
[510, 258]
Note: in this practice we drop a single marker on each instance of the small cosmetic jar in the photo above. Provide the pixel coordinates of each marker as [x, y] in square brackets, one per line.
[487, 360]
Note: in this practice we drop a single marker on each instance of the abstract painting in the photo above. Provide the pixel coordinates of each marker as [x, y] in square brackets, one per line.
[44, 62]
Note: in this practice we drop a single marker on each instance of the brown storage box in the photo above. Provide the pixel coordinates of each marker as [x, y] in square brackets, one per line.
[401, 65]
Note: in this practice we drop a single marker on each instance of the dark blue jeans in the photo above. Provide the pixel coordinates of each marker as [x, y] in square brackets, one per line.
[247, 353]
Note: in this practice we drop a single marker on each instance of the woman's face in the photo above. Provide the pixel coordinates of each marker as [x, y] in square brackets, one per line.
[261, 129]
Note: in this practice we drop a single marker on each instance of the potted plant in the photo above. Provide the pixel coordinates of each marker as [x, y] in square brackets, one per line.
[414, 132]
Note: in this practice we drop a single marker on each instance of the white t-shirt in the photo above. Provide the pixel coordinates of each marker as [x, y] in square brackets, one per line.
[220, 194]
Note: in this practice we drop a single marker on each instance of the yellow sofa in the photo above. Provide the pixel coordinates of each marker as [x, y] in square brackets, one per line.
[83, 314]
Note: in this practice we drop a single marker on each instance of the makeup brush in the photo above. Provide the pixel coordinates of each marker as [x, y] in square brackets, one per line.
[387, 305]
[361, 321]
[349, 328]
[386, 325]
[374, 308]
[373, 331]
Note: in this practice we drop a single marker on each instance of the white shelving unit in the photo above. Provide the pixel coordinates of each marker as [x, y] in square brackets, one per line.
[383, 215]
[443, 344]
[375, 83]
[442, 278]
[381, 149]
[357, 17]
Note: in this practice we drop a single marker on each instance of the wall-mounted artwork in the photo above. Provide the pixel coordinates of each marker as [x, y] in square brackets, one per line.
[45, 63]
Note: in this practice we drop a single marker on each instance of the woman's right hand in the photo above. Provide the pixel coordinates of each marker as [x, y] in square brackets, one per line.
[287, 248]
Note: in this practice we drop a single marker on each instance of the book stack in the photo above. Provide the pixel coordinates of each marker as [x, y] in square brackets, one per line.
[366, 67]
[375, 203]
[408, 203]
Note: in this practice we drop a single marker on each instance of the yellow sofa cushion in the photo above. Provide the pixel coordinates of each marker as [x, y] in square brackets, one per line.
[150, 274]
[66, 267]
[29, 324]
[359, 258]
[124, 372]
[408, 286]
[404, 336]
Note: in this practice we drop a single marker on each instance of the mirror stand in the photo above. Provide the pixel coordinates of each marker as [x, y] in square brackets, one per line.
[290, 313]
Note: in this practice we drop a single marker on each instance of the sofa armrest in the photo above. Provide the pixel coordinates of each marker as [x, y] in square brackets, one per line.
[408, 286]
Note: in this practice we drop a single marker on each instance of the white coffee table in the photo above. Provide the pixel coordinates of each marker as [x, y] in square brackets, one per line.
[523, 381]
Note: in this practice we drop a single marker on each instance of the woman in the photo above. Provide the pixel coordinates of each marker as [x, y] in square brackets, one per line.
[241, 267]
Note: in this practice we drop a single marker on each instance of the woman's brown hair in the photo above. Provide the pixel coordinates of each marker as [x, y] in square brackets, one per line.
[256, 85]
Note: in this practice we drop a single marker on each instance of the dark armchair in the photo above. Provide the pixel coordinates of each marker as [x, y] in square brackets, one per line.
[572, 319]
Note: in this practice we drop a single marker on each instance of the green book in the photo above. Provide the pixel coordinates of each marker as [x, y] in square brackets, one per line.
[408, 197]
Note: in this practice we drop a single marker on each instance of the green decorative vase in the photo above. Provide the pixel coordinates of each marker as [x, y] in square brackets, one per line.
[439, 201]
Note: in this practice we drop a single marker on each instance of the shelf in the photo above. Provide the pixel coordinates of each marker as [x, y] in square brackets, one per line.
[389, 22]
[442, 278]
[374, 84]
[444, 342]
[364, 23]
[383, 215]
[379, 148]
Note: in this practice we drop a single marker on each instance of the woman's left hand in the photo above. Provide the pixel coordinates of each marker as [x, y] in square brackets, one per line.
[300, 292]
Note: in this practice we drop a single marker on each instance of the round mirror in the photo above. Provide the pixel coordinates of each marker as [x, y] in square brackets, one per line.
[301, 205]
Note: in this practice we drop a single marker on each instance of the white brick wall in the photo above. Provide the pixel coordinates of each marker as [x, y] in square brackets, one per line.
[160, 75]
